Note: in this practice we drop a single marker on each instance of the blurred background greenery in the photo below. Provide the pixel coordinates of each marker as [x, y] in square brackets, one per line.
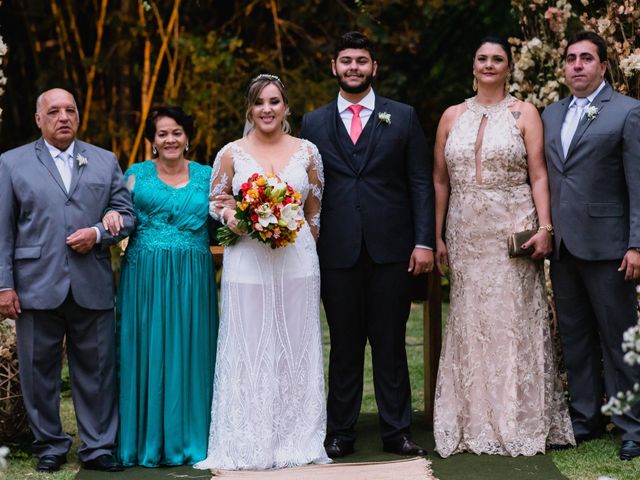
[122, 57]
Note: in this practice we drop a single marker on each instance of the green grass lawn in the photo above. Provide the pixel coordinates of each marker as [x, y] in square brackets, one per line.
[587, 462]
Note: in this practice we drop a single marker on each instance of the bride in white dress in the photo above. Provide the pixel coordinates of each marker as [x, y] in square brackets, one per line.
[268, 407]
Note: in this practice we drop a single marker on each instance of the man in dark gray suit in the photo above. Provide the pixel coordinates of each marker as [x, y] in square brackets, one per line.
[56, 279]
[377, 229]
[592, 147]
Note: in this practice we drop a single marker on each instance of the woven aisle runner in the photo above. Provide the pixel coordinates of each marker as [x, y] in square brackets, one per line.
[369, 449]
[412, 469]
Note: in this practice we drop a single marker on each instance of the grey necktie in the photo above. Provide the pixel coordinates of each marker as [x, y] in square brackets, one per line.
[66, 168]
[575, 113]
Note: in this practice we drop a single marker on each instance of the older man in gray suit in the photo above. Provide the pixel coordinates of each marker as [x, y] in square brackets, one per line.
[56, 279]
[592, 147]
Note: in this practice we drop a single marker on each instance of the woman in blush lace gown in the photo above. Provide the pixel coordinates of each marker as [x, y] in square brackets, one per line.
[268, 408]
[498, 389]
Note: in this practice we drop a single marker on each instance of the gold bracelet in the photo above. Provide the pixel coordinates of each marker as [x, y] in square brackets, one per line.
[548, 228]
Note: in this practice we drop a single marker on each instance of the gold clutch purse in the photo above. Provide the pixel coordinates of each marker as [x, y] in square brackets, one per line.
[515, 241]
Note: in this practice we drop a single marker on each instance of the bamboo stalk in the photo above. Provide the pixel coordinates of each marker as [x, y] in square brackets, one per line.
[74, 30]
[63, 39]
[276, 27]
[173, 64]
[146, 67]
[147, 103]
[92, 70]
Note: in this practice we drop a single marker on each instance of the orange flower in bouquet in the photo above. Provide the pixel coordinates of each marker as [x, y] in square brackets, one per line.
[268, 209]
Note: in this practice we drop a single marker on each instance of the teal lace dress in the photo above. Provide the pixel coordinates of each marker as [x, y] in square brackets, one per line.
[167, 322]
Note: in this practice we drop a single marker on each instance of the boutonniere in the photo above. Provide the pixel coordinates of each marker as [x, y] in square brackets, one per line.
[592, 112]
[81, 159]
[384, 117]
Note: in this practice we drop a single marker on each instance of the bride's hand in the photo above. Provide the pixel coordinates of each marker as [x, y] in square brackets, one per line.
[231, 221]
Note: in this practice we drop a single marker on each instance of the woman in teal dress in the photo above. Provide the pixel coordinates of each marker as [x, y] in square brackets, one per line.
[167, 304]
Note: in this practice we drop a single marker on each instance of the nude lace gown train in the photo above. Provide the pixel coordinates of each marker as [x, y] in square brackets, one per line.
[498, 389]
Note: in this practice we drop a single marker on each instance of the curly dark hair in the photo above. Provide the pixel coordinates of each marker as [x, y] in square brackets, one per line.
[175, 112]
[354, 40]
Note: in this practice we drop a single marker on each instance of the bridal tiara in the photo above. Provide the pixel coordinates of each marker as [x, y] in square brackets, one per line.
[267, 76]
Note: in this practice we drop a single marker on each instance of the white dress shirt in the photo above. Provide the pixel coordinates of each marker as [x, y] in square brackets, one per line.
[368, 104]
[55, 152]
[567, 118]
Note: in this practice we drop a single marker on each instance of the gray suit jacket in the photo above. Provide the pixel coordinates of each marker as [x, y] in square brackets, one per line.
[595, 191]
[37, 214]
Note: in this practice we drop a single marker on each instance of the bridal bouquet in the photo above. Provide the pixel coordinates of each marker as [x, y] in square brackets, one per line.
[268, 209]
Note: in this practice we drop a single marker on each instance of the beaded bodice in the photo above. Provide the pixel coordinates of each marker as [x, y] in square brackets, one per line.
[485, 147]
[168, 217]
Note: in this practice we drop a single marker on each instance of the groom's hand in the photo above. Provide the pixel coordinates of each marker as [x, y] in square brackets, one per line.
[82, 240]
[631, 265]
[9, 304]
[421, 261]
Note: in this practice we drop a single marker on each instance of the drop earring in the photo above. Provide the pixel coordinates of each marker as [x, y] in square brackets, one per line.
[154, 150]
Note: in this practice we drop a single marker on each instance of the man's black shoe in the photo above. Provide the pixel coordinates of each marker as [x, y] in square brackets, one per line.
[337, 447]
[105, 463]
[51, 463]
[403, 445]
[629, 450]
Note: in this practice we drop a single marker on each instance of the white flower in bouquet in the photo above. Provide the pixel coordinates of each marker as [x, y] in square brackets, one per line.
[278, 186]
[265, 215]
[289, 216]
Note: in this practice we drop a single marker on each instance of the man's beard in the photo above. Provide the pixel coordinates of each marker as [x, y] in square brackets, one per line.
[366, 83]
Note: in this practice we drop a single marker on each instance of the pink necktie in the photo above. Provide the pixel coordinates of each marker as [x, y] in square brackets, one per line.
[356, 123]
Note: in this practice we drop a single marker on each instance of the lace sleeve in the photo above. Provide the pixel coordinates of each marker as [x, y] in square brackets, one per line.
[221, 176]
[316, 184]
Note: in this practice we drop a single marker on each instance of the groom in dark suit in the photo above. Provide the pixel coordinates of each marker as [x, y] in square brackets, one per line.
[56, 279]
[377, 229]
[592, 147]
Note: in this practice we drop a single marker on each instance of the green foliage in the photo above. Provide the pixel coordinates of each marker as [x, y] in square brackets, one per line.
[594, 459]
[424, 51]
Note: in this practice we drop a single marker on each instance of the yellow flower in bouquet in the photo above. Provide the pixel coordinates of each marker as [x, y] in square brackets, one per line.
[268, 209]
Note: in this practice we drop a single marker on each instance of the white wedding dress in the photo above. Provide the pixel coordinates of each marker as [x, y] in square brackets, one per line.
[268, 407]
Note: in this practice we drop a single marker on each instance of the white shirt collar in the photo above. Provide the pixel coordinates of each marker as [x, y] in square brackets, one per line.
[368, 102]
[55, 151]
[591, 97]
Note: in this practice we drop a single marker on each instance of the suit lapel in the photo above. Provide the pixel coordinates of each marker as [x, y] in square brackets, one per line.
[555, 125]
[42, 152]
[599, 102]
[377, 129]
[79, 149]
[333, 119]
